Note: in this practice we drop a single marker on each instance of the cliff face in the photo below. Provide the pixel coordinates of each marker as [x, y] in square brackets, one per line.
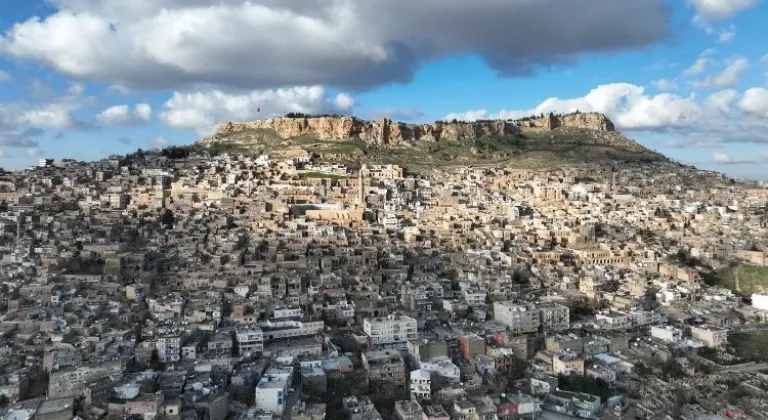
[384, 131]
[592, 121]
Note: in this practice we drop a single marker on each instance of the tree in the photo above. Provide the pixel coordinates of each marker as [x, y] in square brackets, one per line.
[4, 401]
[167, 219]
[149, 387]
[154, 361]
[516, 369]
[585, 384]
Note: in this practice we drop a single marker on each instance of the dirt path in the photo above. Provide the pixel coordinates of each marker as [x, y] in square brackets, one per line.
[736, 278]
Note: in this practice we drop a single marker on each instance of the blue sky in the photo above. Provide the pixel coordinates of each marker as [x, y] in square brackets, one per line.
[87, 78]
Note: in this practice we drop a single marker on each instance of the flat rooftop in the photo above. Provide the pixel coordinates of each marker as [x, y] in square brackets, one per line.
[56, 405]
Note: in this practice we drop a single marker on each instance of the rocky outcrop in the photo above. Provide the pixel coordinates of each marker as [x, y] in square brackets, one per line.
[385, 131]
[591, 121]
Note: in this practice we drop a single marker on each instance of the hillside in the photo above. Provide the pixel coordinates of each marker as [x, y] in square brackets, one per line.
[743, 278]
[531, 142]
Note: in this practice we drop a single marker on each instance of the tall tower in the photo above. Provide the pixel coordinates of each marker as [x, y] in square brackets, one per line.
[361, 187]
[18, 228]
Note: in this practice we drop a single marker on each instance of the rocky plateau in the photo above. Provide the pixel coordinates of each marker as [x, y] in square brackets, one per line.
[386, 132]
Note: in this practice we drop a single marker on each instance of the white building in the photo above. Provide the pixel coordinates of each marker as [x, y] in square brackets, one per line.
[420, 385]
[640, 317]
[290, 328]
[474, 296]
[760, 301]
[250, 339]
[517, 317]
[614, 320]
[287, 312]
[668, 296]
[344, 310]
[169, 348]
[241, 291]
[555, 316]
[667, 333]
[712, 337]
[390, 330]
[272, 390]
[444, 368]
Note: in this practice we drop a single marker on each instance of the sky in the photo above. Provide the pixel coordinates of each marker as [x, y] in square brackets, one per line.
[84, 79]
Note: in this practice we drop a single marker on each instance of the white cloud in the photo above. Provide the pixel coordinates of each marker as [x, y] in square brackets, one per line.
[179, 44]
[345, 101]
[76, 89]
[143, 112]
[726, 35]
[123, 115]
[119, 89]
[665, 84]
[764, 59]
[718, 157]
[755, 102]
[728, 77]
[34, 151]
[115, 115]
[200, 111]
[721, 9]
[722, 101]
[698, 67]
[723, 159]
[719, 119]
[55, 116]
[627, 105]
[158, 142]
[57, 113]
[707, 143]
[22, 124]
[4, 77]
[703, 24]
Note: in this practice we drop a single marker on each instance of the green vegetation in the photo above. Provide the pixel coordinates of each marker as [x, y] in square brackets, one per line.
[585, 384]
[749, 346]
[743, 347]
[744, 278]
[347, 148]
[752, 278]
[37, 384]
[302, 115]
[542, 151]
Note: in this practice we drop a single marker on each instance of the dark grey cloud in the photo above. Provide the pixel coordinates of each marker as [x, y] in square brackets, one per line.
[349, 44]
[17, 139]
[33, 132]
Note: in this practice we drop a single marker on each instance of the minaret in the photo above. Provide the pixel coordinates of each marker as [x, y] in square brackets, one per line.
[18, 228]
[361, 187]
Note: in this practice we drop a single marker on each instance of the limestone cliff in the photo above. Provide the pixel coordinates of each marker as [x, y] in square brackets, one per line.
[591, 121]
[385, 131]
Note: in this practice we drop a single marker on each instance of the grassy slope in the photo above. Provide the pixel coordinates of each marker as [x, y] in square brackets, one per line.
[532, 151]
[742, 278]
[753, 278]
[750, 346]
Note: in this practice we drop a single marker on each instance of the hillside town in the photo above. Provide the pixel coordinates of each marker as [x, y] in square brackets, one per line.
[188, 285]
